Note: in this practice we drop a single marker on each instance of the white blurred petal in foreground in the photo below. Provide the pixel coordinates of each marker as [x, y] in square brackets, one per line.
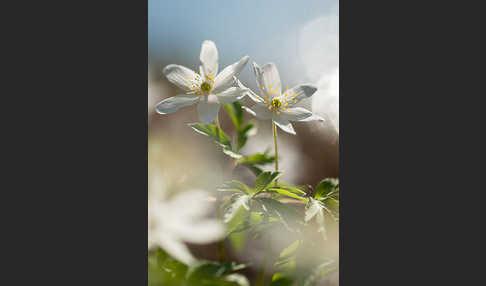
[182, 218]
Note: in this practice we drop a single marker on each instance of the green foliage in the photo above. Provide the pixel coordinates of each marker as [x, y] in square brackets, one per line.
[284, 213]
[257, 159]
[235, 186]
[280, 279]
[217, 135]
[290, 192]
[252, 211]
[327, 188]
[243, 131]
[163, 270]
[264, 180]
[317, 273]
[214, 273]
[325, 201]
[253, 162]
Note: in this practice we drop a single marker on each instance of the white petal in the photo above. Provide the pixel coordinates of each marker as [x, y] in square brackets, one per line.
[183, 77]
[196, 204]
[201, 232]
[226, 77]
[313, 117]
[231, 94]
[209, 57]
[175, 248]
[284, 124]
[256, 98]
[296, 94]
[259, 111]
[172, 104]
[208, 110]
[267, 77]
[295, 114]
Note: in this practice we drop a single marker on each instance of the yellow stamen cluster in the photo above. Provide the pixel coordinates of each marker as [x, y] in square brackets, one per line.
[276, 103]
[206, 87]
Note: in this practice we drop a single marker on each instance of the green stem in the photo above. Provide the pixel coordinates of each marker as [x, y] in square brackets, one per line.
[217, 121]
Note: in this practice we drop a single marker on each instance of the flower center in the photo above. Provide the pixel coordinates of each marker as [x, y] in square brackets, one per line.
[205, 87]
[276, 103]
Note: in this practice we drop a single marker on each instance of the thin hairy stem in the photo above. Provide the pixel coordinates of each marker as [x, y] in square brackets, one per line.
[217, 122]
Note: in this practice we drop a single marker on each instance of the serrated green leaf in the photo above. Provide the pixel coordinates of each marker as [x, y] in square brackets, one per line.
[264, 180]
[325, 187]
[286, 214]
[238, 202]
[331, 206]
[299, 190]
[312, 208]
[315, 208]
[216, 135]
[235, 186]
[288, 193]
[257, 159]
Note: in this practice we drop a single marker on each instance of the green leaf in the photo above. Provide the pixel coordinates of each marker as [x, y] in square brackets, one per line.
[326, 187]
[237, 228]
[238, 240]
[235, 113]
[299, 190]
[286, 214]
[238, 202]
[279, 279]
[213, 273]
[235, 186]
[165, 270]
[217, 135]
[315, 208]
[327, 192]
[256, 170]
[331, 206]
[258, 159]
[288, 193]
[263, 180]
[243, 134]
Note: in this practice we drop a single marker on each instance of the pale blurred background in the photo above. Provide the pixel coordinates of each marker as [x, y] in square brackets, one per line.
[300, 37]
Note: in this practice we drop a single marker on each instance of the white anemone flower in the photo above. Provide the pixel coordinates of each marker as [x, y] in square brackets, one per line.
[183, 218]
[208, 89]
[278, 106]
